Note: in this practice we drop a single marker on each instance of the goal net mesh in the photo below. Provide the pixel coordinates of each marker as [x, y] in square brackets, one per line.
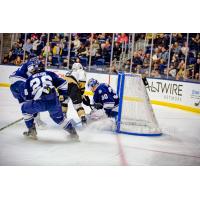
[136, 115]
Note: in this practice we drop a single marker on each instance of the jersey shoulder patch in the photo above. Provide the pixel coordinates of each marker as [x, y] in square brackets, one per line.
[99, 91]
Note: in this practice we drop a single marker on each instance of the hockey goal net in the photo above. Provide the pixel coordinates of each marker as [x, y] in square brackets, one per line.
[136, 115]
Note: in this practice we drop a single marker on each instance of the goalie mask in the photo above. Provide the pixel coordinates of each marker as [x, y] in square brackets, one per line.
[92, 83]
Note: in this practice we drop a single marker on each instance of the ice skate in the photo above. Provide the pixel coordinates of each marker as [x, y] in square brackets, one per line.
[84, 121]
[32, 133]
[72, 131]
[40, 124]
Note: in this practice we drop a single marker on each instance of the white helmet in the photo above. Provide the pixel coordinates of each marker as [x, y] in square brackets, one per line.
[77, 66]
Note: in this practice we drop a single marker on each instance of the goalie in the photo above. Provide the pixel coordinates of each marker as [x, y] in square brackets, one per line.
[76, 79]
[106, 101]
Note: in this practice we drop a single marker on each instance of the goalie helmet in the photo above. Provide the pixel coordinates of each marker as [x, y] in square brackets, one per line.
[92, 82]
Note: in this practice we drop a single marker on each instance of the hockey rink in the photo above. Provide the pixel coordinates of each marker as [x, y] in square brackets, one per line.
[179, 144]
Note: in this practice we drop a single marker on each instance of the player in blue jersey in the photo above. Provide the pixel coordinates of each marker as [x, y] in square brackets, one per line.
[18, 79]
[104, 97]
[42, 89]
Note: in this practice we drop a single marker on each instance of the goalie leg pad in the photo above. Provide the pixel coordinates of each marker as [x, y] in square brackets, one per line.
[98, 114]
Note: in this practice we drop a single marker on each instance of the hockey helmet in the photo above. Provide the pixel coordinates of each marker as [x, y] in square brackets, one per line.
[36, 67]
[92, 82]
[35, 60]
[77, 66]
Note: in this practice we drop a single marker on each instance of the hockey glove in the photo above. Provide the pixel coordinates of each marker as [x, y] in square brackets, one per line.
[98, 106]
[86, 100]
[47, 90]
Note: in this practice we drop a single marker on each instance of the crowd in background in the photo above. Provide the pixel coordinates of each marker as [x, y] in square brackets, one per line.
[95, 49]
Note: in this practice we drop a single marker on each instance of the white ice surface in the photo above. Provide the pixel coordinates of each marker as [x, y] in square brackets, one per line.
[179, 145]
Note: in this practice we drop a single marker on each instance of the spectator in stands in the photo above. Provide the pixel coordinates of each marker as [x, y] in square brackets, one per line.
[164, 54]
[105, 52]
[181, 71]
[101, 48]
[56, 50]
[65, 63]
[18, 44]
[94, 50]
[122, 38]
[156, 55]
[46, 50]
[172, 70]
[175, 58]
[117, 51]
[33, 37]
[162, 65]
[18, 61]
[107, 44]
[56, 38]
[76, 43]
[102, 36]
[146, 60]
[49, 61]
[95, 44]
[83, 51]
[5, 59]
[175, 48]
[197, 68]
[27, 46]
[10, 56]
[155, 74]
[127, 65]
[196, 42]
[43, 37]
[185, 49]
[161, 40]
[146, 63]
[137, 62]
[36, 43]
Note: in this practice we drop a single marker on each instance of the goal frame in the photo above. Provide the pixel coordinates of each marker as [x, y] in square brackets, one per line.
[120, 93]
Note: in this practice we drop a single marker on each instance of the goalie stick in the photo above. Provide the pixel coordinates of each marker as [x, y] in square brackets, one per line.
[11, 124]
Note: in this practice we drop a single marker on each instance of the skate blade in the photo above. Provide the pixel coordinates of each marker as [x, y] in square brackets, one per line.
[33, 137]
[41, 127]
[73, 139]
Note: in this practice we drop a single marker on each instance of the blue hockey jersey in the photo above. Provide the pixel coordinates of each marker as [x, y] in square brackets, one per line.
[36, 84]
[22, 73]
[105, 95]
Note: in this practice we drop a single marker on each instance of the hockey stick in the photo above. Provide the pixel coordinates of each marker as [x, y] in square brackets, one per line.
[197, 104]
[11, 124]
[92, 106]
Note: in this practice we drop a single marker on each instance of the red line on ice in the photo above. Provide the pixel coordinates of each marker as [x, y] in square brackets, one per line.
[123, 160]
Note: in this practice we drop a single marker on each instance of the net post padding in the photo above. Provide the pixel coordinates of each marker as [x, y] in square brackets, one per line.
[135, 115]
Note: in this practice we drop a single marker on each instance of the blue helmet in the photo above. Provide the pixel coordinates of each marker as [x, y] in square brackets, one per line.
[35, 60]
[36, 67]
[92, 82]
